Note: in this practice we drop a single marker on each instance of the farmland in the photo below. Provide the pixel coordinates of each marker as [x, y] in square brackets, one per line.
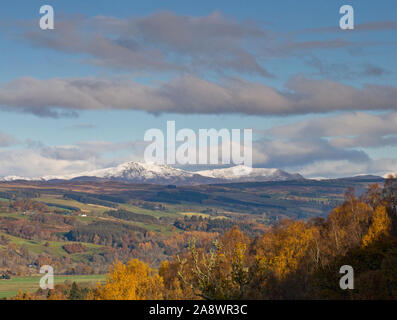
[9, 288]
[81, 229]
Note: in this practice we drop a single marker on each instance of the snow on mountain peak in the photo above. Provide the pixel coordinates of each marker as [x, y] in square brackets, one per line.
[249, 174]
[140, 172]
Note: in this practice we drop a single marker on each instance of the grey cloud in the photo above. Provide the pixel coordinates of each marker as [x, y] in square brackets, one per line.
[192, 95]
[367, 26]
[67, 153]
[165, 41]
[136, 147]
[345, 131]
[160, 42]
[343, 71]
[7, 140]
[75, 36]
[281, 153]
[373, 71]
[325, 96]
[293, 46]
[377, 25]
[85, 150]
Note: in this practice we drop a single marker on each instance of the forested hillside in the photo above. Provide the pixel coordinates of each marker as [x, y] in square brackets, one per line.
[294, 259]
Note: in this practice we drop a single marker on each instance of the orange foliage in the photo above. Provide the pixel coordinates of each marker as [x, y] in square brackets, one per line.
[380, 226]
[134, 281]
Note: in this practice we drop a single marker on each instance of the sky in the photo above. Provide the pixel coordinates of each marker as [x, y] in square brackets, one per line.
[321, 101]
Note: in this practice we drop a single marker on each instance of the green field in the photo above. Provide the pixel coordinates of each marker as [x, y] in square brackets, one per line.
[203, 215]
[10, 288]
[54, 247]
[85, 208]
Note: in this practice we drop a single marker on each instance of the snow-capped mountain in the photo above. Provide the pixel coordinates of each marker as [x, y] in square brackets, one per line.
[138, 172]
[15, 178]
[247, 174]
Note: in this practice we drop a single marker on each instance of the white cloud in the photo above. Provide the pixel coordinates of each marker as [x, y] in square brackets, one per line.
[346, 168]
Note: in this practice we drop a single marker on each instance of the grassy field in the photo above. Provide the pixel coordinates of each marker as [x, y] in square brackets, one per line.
[203, 215]
[13, 215]
[10, 288]
[85, 208]
[197, 214]
[54, 248]
[154, 213]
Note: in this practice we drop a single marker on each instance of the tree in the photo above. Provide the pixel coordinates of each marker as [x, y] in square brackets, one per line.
[134, 281]
[23, 296]
[285, 248]
[347, 224]
[390, 193]
[173, 287]
[220, 273]
[380, 226]
[373, 196]
[77, 293]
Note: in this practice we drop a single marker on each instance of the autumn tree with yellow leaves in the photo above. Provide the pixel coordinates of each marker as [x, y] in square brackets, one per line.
[132, 281]
[380, 227]
[221, 272]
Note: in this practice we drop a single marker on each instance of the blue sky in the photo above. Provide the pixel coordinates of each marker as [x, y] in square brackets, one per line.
[279, 67]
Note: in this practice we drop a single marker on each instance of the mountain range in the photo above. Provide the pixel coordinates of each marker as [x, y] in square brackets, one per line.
[139, 172]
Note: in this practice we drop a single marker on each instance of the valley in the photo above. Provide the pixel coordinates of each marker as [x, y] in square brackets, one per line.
[82, 227]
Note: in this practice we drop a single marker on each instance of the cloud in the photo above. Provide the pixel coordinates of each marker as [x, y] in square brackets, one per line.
[343, 71]
[86, 150]
[346, 168]
[377, 25]
[191, 95]
[7, 140]
[282, 153]
[31, 163]
[332, 146]
[371, 70]
[135, 147]
[159, 42]
[345, 131]
[367, 26]
[34, 159]
[292, 46]
[67, 153]
[168, 42]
